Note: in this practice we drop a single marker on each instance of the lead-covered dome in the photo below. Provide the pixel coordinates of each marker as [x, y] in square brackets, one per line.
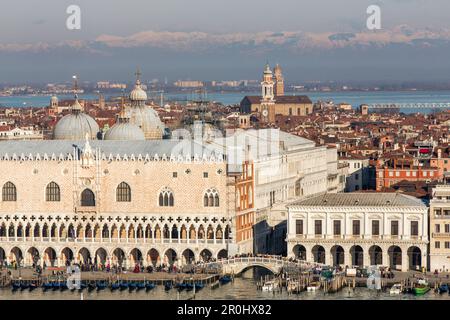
[143, 116]
[138, 94]
[148, 120]
[75, 125]
[124, 130]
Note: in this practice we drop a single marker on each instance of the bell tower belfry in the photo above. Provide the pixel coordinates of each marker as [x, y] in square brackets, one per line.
[279, 81]
[268, 101]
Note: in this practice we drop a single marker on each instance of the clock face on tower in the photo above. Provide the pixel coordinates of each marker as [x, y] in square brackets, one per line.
[265, 113]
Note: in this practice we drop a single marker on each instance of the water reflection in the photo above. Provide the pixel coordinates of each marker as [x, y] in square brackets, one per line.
[242, 288]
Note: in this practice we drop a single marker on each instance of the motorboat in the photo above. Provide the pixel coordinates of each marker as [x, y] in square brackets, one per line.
[396, 289]
[421, 287]
[269, 286]
[313, 287]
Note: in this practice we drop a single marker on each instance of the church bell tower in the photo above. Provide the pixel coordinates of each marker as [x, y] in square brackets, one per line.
[268, 101]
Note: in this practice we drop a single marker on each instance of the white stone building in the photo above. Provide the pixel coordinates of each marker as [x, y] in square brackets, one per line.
[286, 168]
[360, 229]
[146, 202]
[358, 172]
[440, 228]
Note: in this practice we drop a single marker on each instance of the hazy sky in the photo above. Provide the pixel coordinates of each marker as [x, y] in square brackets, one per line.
[44, 20]
[35, 44]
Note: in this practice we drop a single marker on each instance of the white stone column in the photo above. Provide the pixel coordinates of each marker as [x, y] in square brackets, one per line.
[366, 257]
[385, 257]
[405, 260]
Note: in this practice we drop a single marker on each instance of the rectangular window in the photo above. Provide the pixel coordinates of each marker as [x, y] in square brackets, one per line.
[356, 227]
[415, 228]
[205, 174]
[394, 228]
[447, 244]
[375, 227]
[437, 245]
[174, 174]
[437, 228]
[298, 226]
[337, 227]
[447, 228]
[317, 227]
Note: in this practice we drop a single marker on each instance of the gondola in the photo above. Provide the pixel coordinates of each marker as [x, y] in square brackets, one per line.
[83, 286]
[101, 285]
[149, 286]
[224, 279]
[15, 286]
[92, 286]
[140, 286]
[199, 286]
[123, 286]
[47, 286]
[32, 286]
[24, 285]
[443, 288]
[167, 285]
[180, 286]
[115, 286]
[189, 286]
[132, 286]
[63, 286]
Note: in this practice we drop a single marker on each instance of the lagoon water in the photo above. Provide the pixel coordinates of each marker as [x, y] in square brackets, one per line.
[355, 98]
[241, 289]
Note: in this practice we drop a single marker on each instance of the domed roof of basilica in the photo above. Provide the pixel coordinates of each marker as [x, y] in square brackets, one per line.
[143, 116]
[138, 94]
[148, 120]
[123, 129]
[75, 125]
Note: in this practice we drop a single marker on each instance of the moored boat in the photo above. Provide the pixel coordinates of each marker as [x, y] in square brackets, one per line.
[189, 286]
[421, 287]
[313, 287]
[149, 286]
[32, 286]
[199, 286]
[224, 279]
[140, 285]
[443, 288]
[269, 286]
[91, 286]
[15, 285]
[101, 285]
[115, 286]
[396, 289]
[167, 285]
[123, 285]
[132, 286]
[47, 286]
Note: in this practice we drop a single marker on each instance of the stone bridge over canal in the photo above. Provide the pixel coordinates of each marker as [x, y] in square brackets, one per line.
[238, 265]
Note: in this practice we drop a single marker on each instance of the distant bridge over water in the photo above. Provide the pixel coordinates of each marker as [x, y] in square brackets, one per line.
[273, 263]
[409, 106]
